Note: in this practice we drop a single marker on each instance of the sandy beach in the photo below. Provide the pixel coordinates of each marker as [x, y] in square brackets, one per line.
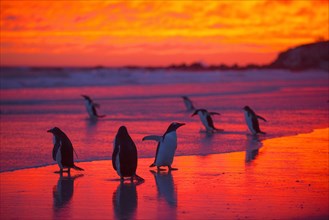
[287, 178]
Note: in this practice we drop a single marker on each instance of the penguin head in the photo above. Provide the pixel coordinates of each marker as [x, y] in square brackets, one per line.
[55, 130]
[122, 132]
[174, 126]
[247, 108]
[86, 97]
[123, 129]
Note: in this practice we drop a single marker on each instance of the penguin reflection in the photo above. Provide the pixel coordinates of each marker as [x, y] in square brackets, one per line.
[253, 145]
[165, 186]
[125, 200]
[63, 191]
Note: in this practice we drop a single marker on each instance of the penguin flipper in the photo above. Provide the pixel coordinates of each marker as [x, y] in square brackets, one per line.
[210, 122]
[260, 117]
[56, 147]
[95, 112]
[153, 138]
[152, 165]
[114, 154]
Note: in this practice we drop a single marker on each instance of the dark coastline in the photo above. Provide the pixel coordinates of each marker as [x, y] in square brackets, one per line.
[300, 58]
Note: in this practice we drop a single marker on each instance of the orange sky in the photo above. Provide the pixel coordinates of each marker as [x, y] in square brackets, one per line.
[117, 33]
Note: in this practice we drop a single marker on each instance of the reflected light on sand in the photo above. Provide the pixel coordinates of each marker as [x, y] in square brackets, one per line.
[287, 180]
[125, 200]
[166, 187]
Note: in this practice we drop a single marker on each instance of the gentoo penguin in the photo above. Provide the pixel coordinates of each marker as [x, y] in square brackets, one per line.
[63, 150]
[188, 103]
[206, 119]
[91, 107]
[167, 145]
[124, 157]
[252, 120]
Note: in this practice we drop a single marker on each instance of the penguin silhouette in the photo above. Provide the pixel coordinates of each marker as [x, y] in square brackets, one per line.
[124, 157]
[63, 150]
[252, 120]
[206, 119]
[166, 148]
[91, 107]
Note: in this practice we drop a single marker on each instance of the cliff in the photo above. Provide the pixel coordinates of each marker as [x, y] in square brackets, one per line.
[308, 56]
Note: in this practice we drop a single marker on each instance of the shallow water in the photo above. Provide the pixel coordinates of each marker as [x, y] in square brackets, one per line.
[147, 102]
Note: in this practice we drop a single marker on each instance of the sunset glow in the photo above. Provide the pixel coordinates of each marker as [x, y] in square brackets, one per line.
[117, 33]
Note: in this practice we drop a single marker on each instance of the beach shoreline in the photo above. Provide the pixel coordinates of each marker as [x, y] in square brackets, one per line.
[287, 178]
[264, 138]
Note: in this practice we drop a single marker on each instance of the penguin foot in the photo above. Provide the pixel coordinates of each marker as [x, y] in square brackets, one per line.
[160, 169]
[171, 168]
[252, 135]
[61, 171]
[210, 132]
[138, 178]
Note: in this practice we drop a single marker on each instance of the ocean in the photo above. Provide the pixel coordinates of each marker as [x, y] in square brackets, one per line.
[34, 100]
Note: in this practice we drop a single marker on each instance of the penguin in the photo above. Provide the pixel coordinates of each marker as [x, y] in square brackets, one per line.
[91, 107]
[63, 151]
[252, 120]
[166, 148]
[124, 156]
[188, 103]
[206, 119]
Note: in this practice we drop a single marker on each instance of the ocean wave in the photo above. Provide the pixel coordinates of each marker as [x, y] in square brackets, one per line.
[13, 78]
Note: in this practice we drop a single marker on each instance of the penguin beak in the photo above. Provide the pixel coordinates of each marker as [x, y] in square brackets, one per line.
[180, 124]
[193, 114]
[50, 130]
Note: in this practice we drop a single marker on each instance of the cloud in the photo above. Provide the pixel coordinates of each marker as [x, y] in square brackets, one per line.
[162, 27]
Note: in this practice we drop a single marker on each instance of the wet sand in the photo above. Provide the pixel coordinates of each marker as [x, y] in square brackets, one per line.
[287, 178]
